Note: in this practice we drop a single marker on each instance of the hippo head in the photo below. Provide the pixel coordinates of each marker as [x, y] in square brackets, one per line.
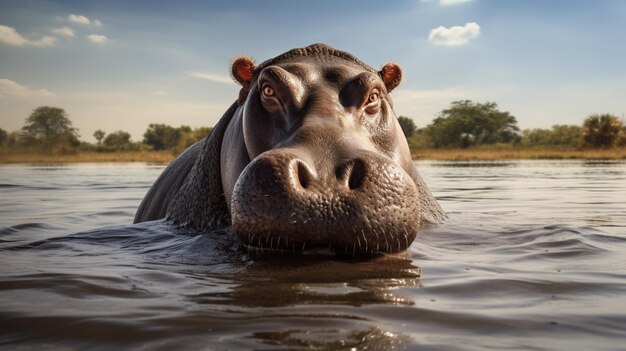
[311, 156]
[314, 156]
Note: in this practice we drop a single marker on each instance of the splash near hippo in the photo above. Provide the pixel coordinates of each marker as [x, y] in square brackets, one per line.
[310, 156]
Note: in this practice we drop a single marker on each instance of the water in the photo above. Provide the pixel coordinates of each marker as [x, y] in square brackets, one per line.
[532, 258]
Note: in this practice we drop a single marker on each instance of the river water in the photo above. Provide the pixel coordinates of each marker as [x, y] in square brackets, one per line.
[533, 257]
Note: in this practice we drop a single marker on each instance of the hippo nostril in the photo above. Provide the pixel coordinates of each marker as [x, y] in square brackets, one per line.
[352, 173]
[302, 174]
[357, 176]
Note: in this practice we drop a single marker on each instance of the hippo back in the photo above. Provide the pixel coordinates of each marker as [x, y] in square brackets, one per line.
[154, 204]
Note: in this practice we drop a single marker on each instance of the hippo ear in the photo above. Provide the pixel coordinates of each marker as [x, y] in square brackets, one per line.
[241, 69]
[391, 74]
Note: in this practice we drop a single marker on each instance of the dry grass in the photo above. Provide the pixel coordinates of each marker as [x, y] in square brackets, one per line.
[527, 154]
[128, 156]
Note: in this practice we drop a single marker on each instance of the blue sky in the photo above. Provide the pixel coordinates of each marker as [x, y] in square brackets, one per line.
[121, 65]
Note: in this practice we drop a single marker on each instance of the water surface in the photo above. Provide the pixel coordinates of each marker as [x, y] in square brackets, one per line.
[532, 258]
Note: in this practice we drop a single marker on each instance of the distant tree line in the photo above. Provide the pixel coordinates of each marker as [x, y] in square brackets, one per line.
[469, 124]
[49, 129]
[464, 124]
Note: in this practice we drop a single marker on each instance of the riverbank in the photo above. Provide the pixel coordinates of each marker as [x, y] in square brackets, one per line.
[517, 154]
[426, 154]
[82, 157]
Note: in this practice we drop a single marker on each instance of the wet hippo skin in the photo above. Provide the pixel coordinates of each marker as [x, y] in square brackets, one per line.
[310, 156]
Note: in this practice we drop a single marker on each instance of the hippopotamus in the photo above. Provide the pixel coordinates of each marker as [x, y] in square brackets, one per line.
[309, 157]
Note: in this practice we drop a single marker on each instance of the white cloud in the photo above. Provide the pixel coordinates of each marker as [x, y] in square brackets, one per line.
[11, 88]
[44, 41]
[98, 39]
[78, 19]
[64, 31]
[454, 36]
[219, 78]
[10, 36]
[452, 2]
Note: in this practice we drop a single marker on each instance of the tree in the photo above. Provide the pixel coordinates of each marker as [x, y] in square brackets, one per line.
[162, 136]
[117, 139]
[467, 123]
[16, 139]
[50, 126]
[407, 125]
[603, 131]
[99, 135]
[4, 137]
[566, 135]
[560, 135]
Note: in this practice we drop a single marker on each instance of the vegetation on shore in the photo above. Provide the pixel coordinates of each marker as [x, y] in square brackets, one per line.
[492, 154]
[49, 137]
[465, 131]
[87, 156]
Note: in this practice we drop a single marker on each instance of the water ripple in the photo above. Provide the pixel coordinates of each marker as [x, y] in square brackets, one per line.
[531, 258]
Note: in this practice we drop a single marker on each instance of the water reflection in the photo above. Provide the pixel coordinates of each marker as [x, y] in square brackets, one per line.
[334, 339]
[290, 280]
[603, 163]
[473, 164]
[289, 299]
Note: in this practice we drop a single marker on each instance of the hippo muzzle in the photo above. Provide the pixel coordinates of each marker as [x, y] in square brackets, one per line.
[363, 205]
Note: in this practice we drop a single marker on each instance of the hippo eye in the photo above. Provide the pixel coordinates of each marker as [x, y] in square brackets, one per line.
[269, 97]
[372, 105]
[268, 90]
[374, 96]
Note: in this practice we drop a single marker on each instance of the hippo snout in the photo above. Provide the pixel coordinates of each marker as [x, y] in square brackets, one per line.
[364, 204]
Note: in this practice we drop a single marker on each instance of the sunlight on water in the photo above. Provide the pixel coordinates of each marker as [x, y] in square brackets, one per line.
[532, 257]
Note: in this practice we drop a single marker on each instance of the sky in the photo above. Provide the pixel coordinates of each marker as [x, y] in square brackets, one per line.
[121, 65]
